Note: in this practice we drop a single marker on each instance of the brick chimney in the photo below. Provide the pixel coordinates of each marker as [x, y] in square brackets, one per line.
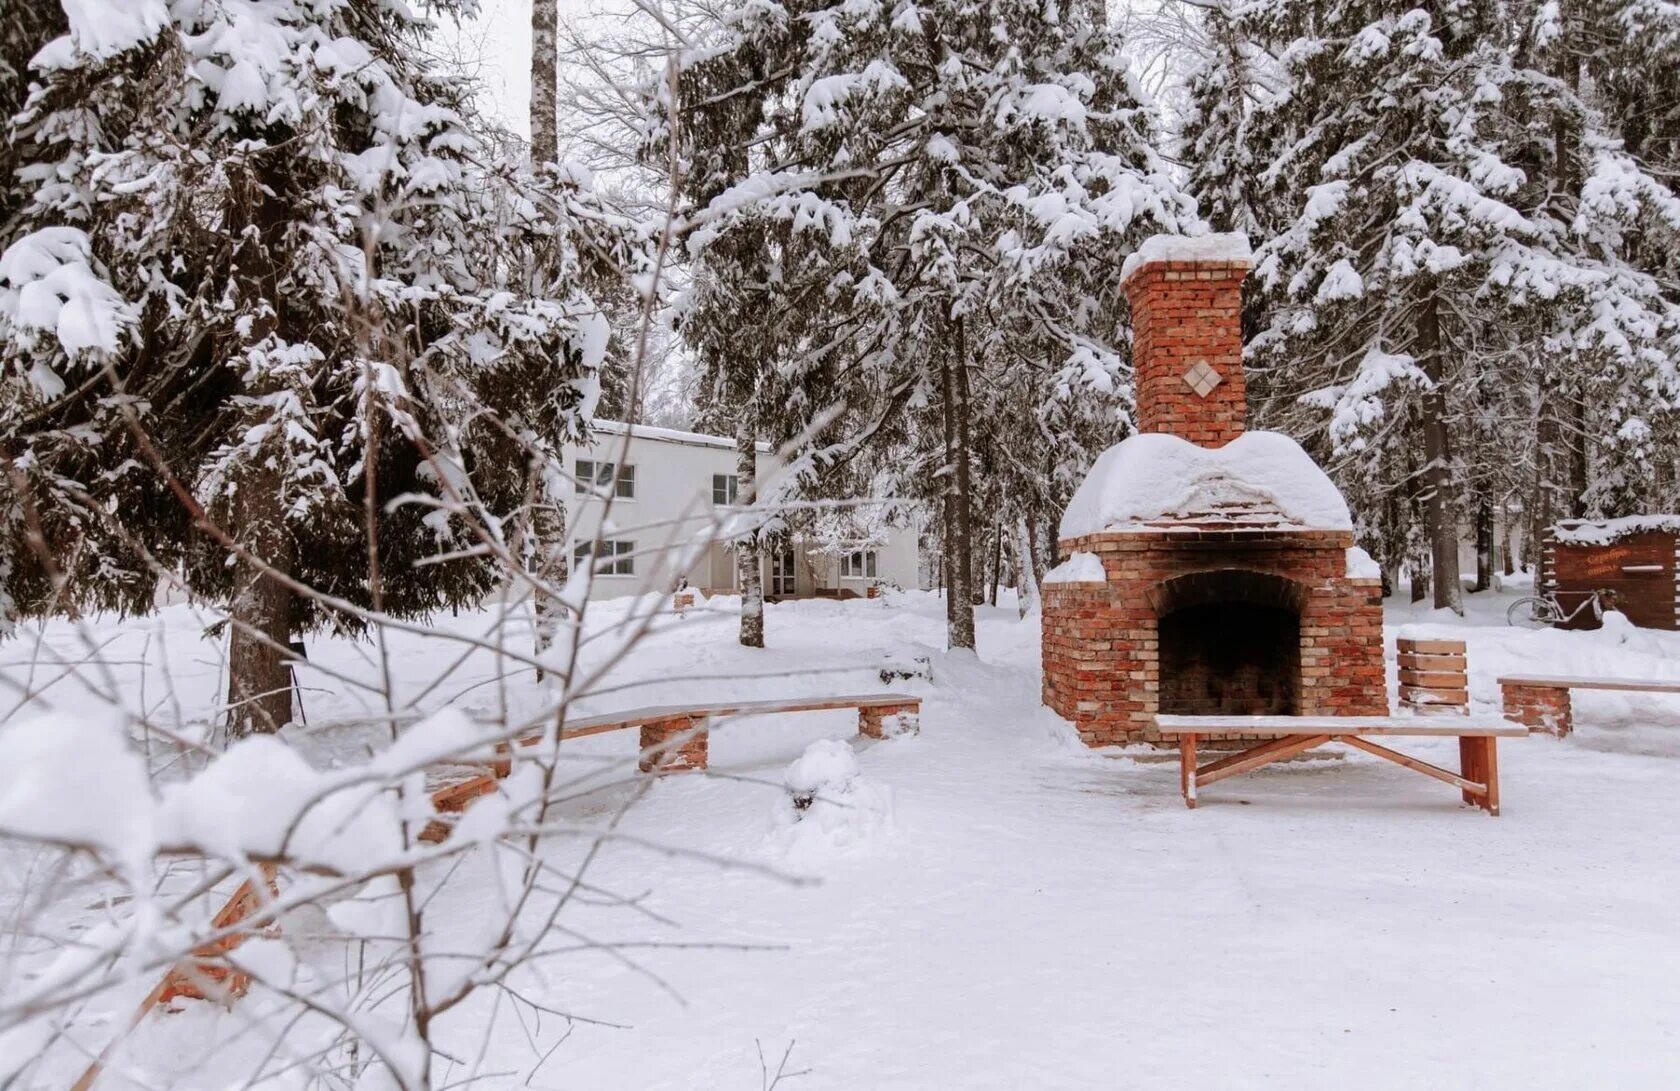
[1186, 297]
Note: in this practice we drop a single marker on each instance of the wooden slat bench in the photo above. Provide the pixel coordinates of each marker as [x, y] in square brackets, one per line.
[1477, 779]
[1542, 701]
[674, 739]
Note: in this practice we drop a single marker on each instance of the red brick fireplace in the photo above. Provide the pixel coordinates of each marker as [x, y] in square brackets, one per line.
[1206, 570]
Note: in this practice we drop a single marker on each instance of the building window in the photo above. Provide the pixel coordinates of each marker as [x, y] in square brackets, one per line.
[613, 557]
[598, 477]
[858, 565]
[725, 488]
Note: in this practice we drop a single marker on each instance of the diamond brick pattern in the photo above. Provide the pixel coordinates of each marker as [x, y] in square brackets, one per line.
[1202, 379]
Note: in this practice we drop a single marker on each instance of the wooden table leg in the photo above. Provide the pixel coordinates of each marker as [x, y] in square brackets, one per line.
[1490, 774]
[1478, 759]
[1467, 765]
[1187, 769]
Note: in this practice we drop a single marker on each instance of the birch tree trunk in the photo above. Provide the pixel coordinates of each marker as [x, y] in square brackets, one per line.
[1440, 513]
[545, 139]
[1026, 577]
[548, 522]
[748, 554]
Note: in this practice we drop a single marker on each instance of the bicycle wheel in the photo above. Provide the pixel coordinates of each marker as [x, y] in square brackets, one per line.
[1533, 612]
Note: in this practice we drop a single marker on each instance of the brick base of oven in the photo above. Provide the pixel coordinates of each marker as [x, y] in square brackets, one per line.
[1103, 656]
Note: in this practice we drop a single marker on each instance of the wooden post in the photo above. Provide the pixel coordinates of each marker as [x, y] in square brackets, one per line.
[1187, 769]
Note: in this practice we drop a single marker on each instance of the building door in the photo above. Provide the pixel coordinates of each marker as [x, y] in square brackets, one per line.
[781, 573]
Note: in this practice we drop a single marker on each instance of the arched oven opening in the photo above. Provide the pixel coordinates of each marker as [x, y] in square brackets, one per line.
[1229, 643]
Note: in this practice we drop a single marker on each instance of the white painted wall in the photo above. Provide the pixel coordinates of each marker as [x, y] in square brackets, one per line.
[671, 519]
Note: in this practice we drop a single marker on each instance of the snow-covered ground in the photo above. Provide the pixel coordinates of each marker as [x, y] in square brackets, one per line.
[998, 907]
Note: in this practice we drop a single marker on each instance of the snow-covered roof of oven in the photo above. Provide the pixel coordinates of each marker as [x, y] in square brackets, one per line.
[1159, 481]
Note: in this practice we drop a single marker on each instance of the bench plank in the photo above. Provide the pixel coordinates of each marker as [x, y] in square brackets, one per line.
[1643, 685]
[636, 717]
[1418, 726]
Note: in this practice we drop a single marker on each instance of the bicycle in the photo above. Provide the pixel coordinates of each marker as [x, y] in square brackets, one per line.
[1545, 611]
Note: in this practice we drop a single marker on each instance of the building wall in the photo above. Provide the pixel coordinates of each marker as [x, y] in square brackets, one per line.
[671, 519]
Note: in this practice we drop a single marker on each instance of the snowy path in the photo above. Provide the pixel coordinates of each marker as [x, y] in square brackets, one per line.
[1038, 915]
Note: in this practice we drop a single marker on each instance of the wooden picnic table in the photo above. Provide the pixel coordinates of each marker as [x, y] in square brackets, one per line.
[1477, 778]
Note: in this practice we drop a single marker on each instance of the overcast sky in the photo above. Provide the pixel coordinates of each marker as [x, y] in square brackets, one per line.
[495, 49]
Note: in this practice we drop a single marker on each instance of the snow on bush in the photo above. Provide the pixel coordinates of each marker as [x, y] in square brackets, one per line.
[48, 285]
[829, 804]
[1152, 476]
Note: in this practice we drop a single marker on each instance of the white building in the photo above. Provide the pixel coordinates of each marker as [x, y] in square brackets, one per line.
[659, 499]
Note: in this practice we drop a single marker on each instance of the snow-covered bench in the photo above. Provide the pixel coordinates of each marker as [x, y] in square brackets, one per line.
[674, 739]
[1477, 779]
[1542, 701]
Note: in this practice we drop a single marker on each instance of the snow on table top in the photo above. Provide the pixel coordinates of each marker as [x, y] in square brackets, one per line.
[1226, 246]
[1156, 476]
[1605, 531]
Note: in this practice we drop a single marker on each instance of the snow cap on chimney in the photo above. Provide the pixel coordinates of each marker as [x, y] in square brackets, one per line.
[1186, 297]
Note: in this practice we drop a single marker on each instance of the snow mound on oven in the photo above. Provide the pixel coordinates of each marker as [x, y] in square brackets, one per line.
[1154, 477]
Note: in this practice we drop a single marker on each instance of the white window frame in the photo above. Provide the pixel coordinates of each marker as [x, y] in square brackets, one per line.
[859, 564]
[592, 476]
[731, 489]
[617, 557]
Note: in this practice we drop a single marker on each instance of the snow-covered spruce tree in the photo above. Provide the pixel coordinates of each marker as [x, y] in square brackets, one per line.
[958, 184]
[1418, 262]
[266, 320]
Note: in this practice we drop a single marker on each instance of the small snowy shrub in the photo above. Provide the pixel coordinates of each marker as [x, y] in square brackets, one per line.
[827, 763]
[829, 803]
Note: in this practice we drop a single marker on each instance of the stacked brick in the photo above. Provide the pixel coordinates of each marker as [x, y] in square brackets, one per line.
[1185, 313]
[1101, 640]
[1103, 651]
[890, 721]
[677, 745]
[1540, 708]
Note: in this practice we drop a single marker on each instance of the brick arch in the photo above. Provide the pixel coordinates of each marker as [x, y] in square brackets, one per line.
[1227, 585]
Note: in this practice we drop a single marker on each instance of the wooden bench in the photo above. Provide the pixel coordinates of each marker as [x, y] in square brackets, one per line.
[674, 739]
[1542, 701]
[1477, 778]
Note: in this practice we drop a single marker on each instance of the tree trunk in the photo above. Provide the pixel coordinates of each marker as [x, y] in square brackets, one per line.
[1484, 545]
[259, 693]
[997, 565]
[1440, 512]
[545, 142]
[547, 526]
[1580, 474]
[1505, 541]
[961, 633]
[748, 554]
[1026, 575]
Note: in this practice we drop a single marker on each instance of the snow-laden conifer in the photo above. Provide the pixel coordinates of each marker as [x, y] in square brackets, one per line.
[273, 317]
